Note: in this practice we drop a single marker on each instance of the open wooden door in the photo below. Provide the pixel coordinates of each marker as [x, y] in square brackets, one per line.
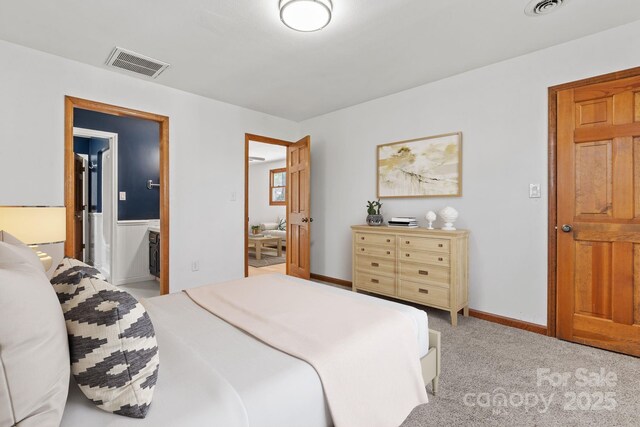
[79, 207]
[298, 208]
[598, 237]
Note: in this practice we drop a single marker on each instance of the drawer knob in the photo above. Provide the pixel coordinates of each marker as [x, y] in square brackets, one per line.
[407, 255]
[423, 272]
[440, 259]
[362, 238]
[375, 264]
[440, 245]
[388, 240]
[375, 281]
[362, 249]
[423, 291]
[388, 253]
[407, 242]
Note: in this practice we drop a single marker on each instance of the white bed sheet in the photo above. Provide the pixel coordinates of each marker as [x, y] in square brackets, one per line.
[214, 374]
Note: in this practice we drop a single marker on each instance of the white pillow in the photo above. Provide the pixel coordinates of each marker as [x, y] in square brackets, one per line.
[34, 355]
[269, 226]
[23, 250]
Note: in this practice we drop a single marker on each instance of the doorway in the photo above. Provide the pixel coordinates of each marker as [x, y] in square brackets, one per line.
[287, 197]
[73, 201]
[594, 246]
[96, 208]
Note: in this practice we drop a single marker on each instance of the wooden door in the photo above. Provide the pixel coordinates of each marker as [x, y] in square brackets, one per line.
[598, 236]
[78, 214]
[298, 208]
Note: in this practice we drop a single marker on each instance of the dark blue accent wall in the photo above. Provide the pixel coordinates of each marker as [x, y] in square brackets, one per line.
[138, 160]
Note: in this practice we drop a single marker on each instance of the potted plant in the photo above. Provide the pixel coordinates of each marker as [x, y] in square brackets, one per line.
[374, 218]
[255, 229]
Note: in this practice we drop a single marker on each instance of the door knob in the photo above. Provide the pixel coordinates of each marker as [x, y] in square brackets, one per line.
[310, 219]
[305, 219]
[567, 228]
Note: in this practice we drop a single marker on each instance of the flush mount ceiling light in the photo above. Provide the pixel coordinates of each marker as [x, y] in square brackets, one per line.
[306, 15]
[543, 7]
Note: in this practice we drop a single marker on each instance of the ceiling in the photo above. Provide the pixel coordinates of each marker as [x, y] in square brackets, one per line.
[269, 152]
[239, 52]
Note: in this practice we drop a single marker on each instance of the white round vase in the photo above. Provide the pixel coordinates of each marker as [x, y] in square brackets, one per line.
[449, 215]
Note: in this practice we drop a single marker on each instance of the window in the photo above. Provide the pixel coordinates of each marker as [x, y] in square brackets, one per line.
[278, 186]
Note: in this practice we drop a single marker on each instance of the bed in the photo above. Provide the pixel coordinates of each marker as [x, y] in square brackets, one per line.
[232, 379]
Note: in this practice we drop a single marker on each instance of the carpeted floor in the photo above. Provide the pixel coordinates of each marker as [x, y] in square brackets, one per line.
[483, 362]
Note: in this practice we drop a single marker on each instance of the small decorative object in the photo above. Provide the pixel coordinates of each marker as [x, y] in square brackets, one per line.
[423, 167]
[430, 217]
[255, 229]
[374, 218]
[449, 215]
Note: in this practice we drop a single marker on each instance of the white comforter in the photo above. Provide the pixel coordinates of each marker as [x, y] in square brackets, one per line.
[212, 374]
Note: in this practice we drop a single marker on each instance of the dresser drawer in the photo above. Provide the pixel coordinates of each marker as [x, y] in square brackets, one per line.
[376, 239]
[424, 244]
[376, 265]
[375, 283]
[423, 293]
[423, 273]
[377, 251]
[433, 258]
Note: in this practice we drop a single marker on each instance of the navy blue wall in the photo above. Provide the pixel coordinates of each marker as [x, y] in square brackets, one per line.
[138, 160]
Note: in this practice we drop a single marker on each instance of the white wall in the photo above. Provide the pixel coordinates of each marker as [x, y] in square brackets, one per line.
[502, 111]
[206, 152]
[259, 209]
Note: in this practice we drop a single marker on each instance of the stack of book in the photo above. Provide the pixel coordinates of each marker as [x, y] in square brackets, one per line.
[403, 221]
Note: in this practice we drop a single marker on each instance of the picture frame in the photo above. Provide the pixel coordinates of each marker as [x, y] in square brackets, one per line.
[424, 167]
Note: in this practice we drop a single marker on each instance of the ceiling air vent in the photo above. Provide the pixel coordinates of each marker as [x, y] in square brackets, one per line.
[543, 7]
[136, 63]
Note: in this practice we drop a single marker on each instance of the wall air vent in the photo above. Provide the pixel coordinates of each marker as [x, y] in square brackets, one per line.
[136, 63]
[256, 159]
[543, 7]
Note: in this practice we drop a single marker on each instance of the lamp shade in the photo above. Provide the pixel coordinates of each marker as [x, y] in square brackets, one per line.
[34, 225]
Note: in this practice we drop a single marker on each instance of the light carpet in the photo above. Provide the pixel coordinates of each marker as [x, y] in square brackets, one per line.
[484, 363]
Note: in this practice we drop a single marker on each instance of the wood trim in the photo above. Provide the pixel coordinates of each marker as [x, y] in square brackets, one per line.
[70, 103]
[339, 282]
[508, 321]
[271, 187]
[266, 139]
[501, 320]
[552, 285]
[248, 137]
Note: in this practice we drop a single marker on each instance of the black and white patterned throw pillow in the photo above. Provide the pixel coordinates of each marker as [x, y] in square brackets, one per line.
[113, 348]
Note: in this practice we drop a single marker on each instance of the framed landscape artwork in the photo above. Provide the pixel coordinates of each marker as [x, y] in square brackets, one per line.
[423, 167]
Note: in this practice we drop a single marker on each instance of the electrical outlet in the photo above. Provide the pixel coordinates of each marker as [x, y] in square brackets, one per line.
[195, 266]
[534, 191]
[123, 195]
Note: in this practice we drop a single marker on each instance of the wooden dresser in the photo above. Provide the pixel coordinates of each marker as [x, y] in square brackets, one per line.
[427, 267]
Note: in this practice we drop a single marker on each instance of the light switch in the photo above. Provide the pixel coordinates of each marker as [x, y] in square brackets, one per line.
[123, 195]
[534, 191]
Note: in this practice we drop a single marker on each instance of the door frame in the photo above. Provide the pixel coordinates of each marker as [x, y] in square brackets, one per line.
[70, 103]
[113, 146]
[552, 285]
[249, 137]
